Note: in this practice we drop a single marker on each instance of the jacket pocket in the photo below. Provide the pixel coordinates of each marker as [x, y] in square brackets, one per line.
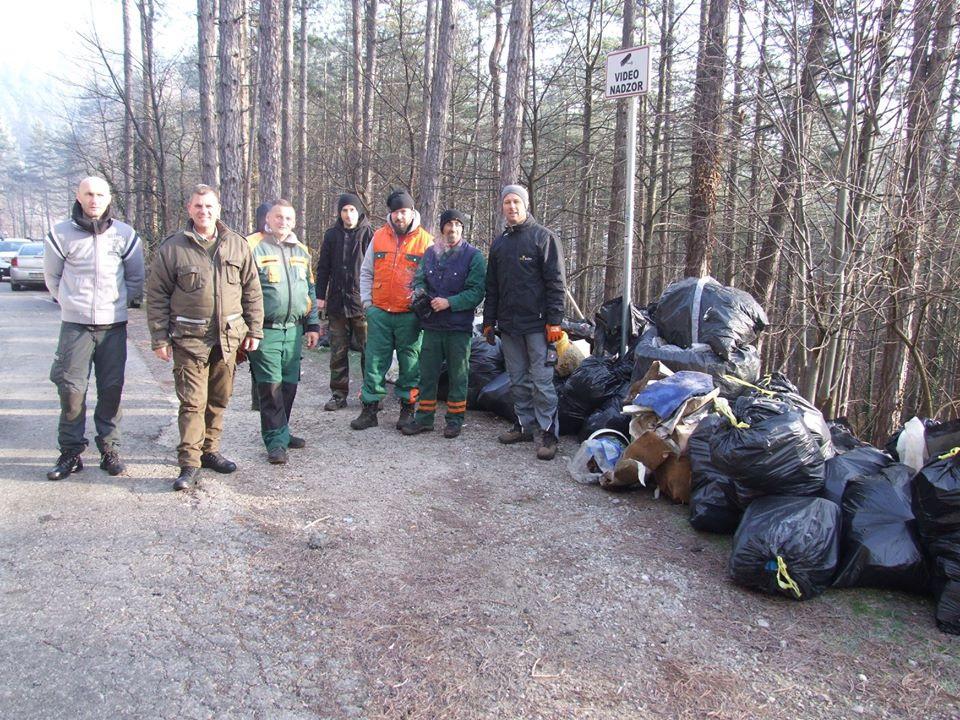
[232, 271]
[185, 327]
[190, 278]
[236, 326]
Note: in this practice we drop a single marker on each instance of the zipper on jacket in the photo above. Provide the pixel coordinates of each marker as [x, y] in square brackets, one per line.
[286, 270]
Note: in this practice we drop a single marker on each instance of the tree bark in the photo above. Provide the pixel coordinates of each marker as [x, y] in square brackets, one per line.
[516, 86]
[286, 123]
[930, 58]
[435, 151]
[232, 139]
[127, 151]
[207, 55]
[705, 153]
[302, 125]
[270, 101]
[370, 78]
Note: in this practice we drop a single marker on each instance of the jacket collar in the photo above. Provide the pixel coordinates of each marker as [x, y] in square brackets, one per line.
[197, 238]
[414, 225]
[528, 222]
[91, 226]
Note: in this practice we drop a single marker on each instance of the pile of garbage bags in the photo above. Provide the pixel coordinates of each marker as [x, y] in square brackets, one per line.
[699, 324]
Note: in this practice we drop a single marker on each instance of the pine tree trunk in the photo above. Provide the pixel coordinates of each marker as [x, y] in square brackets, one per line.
[231, 89]
[207, 56]
[517, 65]
[270, 101]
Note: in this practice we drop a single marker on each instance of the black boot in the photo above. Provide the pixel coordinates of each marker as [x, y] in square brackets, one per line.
[111, 462]
[67, 463]
[188, 478]
[217, 463]
[406, 415]
[367, 417]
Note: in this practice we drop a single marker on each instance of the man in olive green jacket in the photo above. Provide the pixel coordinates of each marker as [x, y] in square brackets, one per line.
[204, 304]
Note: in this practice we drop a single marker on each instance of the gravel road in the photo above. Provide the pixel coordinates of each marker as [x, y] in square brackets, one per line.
[381, 576]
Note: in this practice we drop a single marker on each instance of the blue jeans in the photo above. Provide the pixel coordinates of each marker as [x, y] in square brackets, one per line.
[531, 380]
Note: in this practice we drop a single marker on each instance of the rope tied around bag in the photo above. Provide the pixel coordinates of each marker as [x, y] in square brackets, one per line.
[784, 580]
[738, 381]
[952, 452]
[723, 407]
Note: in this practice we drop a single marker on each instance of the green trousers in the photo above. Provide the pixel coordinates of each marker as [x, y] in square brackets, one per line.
[388, 332]
[454, 347]
[276, 371]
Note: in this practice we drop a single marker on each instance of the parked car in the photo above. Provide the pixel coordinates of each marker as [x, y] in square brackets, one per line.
[26, 269]
[8, 251]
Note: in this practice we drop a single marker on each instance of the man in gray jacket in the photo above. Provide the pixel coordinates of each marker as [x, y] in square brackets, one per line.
[93, 266]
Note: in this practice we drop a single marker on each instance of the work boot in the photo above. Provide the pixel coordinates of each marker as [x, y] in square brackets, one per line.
[188, 478]
[406, 415]
[217, 462]
[415, 428]
[111, 462]
[67, 463]
[451, 430]
[515, 434]
[335, 403]
[296, 443]
[277, 456]
[546, 445]
[367, 417]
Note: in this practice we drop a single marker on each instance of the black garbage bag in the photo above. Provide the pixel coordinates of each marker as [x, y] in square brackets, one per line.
[497, 398]
[702, 310]
[743, 363]
[591, 385]
[609, 321]
[841, 469]
[938, 437]
[786, 391]
[936, 505]
[713, 506]
[578, 330]
[879, 544]
[776, 455]
[787, 546]
[842, 437]
[486, 363]
[607, 416]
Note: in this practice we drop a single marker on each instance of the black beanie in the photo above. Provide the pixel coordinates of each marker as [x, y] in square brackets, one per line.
[451, 214]
[400, 199]
[349, 199]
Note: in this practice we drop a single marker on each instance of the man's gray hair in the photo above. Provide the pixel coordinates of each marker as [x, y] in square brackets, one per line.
[202, 189]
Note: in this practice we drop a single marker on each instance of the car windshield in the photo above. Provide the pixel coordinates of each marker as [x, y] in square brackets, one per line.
[10, 245]
[31, 249]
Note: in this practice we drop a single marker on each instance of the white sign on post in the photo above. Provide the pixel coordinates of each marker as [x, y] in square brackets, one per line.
[628, 72]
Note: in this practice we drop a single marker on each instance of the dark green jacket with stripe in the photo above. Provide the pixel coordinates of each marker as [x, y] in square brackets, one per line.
[286, 276]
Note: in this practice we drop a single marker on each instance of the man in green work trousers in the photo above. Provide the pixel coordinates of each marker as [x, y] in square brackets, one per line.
[447, 289]
[289, 301]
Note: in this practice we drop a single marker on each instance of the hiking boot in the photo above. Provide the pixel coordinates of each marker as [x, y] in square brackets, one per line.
[406, 415]
[515, 434]
[296, 443]
[67, 463]
[277, 456]
[415, 428]
[546, 445]
[188, 478]
[367, 417]
[217, 462]
[451, 430]
[111, 462]
[335, 403]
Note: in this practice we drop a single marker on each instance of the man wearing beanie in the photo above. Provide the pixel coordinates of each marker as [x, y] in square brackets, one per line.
[447, 289]
[338, 290]
[386, 291]
[524, 300]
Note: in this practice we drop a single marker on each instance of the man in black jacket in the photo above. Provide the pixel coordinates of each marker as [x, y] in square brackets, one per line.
[338, 290]
[524, 300]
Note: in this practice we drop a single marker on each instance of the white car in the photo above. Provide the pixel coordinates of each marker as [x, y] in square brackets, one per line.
[8, 251]
[26, 269]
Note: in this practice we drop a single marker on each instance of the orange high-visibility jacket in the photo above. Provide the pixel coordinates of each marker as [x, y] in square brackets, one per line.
[395, 261]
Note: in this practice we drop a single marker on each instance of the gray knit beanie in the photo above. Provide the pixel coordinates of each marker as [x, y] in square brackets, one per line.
[518, 190]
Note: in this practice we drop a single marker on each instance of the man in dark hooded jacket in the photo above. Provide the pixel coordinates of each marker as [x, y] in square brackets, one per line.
[338, 291]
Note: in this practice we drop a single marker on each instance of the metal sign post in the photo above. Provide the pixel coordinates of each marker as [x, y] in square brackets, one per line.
[628, 76]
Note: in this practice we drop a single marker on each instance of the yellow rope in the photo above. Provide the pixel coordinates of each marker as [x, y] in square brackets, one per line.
[949, 453]
[723, 407]
[784, 580]
[737, 381]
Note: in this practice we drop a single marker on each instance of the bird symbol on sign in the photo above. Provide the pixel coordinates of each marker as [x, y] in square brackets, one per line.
[626, 59]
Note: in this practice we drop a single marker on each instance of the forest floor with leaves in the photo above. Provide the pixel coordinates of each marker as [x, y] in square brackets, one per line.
[383, 576]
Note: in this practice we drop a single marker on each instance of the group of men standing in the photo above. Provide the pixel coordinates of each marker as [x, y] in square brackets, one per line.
[215, 299]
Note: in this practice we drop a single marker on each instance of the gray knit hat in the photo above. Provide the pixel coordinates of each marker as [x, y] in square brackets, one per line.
[518, 190]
